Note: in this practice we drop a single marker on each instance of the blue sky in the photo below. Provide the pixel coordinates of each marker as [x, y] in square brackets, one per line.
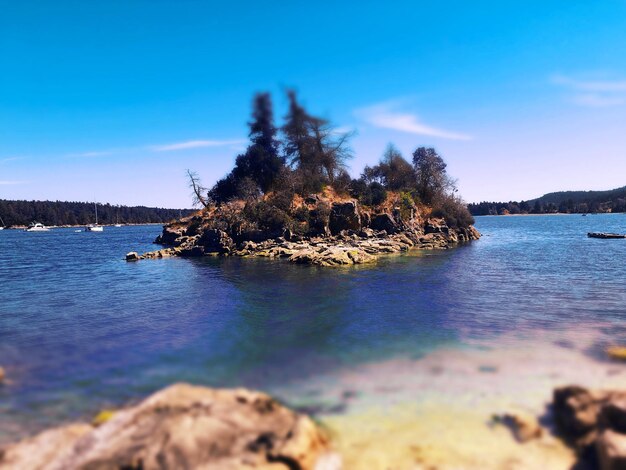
[114, 100]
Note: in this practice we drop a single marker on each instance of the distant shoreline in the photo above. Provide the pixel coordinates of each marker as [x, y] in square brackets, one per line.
[554, 213]
[23, 227]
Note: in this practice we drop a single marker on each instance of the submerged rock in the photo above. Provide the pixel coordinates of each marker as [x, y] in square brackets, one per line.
[183, 426]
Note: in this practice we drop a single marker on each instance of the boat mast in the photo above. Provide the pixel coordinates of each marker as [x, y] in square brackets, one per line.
[96, 206]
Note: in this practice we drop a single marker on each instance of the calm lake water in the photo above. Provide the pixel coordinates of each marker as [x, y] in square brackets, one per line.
[81, 329]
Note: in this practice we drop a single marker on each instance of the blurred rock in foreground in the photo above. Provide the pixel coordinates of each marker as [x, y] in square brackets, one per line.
[183, 427]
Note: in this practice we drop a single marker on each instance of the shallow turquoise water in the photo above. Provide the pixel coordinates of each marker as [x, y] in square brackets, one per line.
[81, 329]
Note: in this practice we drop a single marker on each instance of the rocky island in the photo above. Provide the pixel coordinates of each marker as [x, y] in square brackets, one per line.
[293, 199]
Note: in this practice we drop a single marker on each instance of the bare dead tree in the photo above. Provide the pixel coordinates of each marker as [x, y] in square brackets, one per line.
[198, 191]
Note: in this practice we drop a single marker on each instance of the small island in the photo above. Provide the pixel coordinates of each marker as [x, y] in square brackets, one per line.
[291, 197]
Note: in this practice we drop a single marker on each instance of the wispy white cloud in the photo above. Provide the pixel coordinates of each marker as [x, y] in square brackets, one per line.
[9, 159]
[344, 130]
[102, 153]
[186, 145]
[387, 116]
[193, 144]
[590, 85]
[593, 93]
[596, 100]
[10, 182]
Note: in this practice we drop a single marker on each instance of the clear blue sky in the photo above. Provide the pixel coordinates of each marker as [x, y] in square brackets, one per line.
[114, 100]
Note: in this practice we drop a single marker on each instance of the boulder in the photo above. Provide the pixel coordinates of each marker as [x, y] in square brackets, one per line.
[132, 256]
[182, 426]
[584, 417]
[191, 252]
[386, 222]
[344, 216]
[3, 375]
[576, 412]
[215, 241]
[169, 235]
[436, 226]
[366, 233]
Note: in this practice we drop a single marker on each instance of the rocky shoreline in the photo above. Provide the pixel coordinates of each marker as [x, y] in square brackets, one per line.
[186, 426]
[350, 236]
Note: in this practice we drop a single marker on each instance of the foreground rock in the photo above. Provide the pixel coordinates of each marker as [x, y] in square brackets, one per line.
[593, 422]
[348, 234]
[182, 426]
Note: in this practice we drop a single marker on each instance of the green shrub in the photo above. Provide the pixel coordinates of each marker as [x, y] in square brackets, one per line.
[454, 210]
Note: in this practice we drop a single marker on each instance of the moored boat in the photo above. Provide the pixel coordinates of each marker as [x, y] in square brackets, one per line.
[605, 235]
[37, 227]
[94, 227]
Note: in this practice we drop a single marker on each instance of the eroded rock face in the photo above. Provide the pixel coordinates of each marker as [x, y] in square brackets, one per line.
[215, 241]
[384, 222]
[344, 216]
[169, 236]
[183, 426]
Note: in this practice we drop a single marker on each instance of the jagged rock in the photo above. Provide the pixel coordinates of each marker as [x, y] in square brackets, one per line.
[384, 222]
[182, 426]
[344, 216]
[169, 235]
[192, 252]
[366, 233]
[216, 241]
[436, 226]
[132, 256]
[3, 375]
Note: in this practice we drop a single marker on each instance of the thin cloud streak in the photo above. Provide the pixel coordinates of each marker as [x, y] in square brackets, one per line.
[91, 154]
[384, 116]
[10, 183]
[10, 159]
[594, 100]
[193, 144]
[590, 85]
[593, 93]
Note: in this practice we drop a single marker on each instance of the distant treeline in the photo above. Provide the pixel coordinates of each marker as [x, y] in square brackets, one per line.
[567, 202]
[82, 213]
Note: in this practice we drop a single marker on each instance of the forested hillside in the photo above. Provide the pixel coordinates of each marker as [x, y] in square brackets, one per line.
[82, 213]
[567, 202]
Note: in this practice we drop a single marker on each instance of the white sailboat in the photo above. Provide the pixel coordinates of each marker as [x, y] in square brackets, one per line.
[94, 227]
[117, 223]
[1, 222]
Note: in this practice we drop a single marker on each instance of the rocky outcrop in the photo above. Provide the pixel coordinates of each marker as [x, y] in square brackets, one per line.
[182, 426]
[593, 422]
[344, 216]
[337, 233]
